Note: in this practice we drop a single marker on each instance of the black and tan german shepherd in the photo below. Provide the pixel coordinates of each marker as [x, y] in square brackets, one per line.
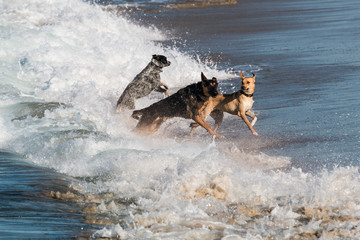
[238, 103]
[189, 102]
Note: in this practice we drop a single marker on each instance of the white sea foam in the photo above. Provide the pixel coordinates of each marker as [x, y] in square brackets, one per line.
[63, 66]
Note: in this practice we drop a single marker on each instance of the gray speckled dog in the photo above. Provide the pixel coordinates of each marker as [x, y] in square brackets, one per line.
[144, 83]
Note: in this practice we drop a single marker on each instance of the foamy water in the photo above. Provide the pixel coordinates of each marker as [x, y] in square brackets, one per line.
[63, 65]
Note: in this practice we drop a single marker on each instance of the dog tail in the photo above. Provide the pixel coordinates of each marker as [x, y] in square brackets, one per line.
[137, 114]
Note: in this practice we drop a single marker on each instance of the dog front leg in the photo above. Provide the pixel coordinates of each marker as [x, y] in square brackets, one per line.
[163, 88]
[218, 116]
[252, 115]
[205, 125]
[244, 118]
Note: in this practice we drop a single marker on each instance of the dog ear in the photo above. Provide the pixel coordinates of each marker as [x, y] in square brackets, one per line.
[242, 76]
[203, 78]
[154, 56]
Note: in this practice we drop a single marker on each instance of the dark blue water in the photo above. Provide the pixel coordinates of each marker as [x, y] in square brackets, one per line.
[27, 210]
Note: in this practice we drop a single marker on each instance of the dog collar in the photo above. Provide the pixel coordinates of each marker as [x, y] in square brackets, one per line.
[247, 95]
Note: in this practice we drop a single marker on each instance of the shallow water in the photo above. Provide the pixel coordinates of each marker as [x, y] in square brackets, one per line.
[27, 209]
[65, 63]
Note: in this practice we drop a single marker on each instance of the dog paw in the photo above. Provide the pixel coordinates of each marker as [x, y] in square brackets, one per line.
[218, 136]
[255, 134]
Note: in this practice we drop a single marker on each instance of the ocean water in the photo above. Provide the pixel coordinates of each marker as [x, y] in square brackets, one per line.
[72, 168]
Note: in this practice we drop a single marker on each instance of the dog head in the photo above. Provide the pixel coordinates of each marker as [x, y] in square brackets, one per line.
[160, 61]
[210, 87]
[248, 84]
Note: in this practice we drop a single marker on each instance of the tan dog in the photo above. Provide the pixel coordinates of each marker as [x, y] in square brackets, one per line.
[238, 103]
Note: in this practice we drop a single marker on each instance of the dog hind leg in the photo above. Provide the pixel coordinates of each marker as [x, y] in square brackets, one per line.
[157, 124]
[218, 116]
[149, 125]
[125, 102]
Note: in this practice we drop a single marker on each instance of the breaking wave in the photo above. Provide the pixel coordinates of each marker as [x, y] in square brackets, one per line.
[64, 65]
